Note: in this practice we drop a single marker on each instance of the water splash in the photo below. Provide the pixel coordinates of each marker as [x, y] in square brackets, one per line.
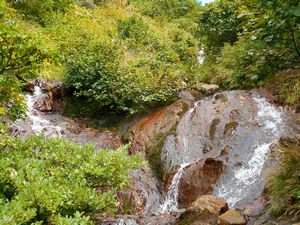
[239, 184]
[38, 123]
[170, 203]
[125, 222]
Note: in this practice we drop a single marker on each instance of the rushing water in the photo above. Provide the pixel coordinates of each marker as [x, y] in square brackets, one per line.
[170, 203]
[240, 183]
[37, 120]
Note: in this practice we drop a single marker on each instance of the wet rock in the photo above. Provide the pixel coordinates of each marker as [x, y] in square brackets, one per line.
[205, 210]
[44, 103]
[148, 131]
[255, 208]
[198, 179]
[231, 217]
[143, 195]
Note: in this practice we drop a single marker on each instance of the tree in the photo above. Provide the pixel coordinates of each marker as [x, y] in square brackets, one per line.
[20, 59]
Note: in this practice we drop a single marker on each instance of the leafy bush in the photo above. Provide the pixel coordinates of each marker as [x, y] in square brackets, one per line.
[52, 180]
[285, 185]
[41, 9]
[20, 58]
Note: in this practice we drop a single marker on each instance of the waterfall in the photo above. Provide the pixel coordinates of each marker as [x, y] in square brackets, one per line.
[239, 184]
[38, 123]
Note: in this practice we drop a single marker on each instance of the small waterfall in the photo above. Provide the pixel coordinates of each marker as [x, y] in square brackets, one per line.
[38, 123]
[170, 203]
[125, 222]
[240, 184]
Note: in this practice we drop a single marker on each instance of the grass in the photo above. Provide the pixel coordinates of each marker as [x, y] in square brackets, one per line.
[284, 186]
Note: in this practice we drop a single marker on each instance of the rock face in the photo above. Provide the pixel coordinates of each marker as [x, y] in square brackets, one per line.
[143, 195]
[231, 217]
[144, 133]
[51, 96]
[205, 210]
[198, 179]
[236, 127]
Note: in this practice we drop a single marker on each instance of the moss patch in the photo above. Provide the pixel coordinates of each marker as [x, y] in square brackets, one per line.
[230, 126]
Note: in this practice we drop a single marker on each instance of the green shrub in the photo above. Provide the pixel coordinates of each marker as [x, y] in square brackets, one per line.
[41, 9]
[52, 180]
[284, 186]
[21, 57]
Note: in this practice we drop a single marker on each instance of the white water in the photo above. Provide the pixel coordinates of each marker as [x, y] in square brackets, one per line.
[170, 203]
[125, 222]
[38, 123]
[238, 187]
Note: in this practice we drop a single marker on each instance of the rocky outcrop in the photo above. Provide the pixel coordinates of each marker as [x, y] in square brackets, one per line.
[51, 98]
[148, 131]
[207, 89]
[231, 217]
[198, 179]
[205, 210]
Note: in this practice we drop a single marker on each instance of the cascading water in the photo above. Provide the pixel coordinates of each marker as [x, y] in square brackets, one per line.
[170, 203]
[236, 186]
[37, 120]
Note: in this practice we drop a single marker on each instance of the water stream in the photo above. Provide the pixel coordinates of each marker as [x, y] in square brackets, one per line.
[238, 184]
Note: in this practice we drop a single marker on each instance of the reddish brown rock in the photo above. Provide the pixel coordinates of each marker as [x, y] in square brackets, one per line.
[198, 179]
[231, 217]
[205, 210]
[144, 133]
[44, 103]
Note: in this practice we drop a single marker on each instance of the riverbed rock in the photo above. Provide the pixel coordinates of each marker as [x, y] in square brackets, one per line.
[207, 89]
[153, 128]
[205, 210]
[143, 195]
[231, 217]
[198, 179]
[255, 208]
[44, 103]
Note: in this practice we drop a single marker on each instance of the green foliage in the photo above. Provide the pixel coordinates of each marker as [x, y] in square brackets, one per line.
[53, 180]
[218, 24]
[20, 59]
[169, 9]
[284, 186]
[265, 39]
[41, 9]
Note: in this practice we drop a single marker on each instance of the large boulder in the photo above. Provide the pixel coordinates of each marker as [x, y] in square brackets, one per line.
[205, 210]
[231, 217]
[207, 89]
[147, 132]
[198, 179]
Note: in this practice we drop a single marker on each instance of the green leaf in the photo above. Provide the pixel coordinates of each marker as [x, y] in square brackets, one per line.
[297, 11]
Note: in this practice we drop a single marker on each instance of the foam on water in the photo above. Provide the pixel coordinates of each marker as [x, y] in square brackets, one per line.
[239, 186]
[39, 124]
[170, 203]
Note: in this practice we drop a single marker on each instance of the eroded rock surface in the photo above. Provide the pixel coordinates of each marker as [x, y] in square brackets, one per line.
[198, 179]
[150, 129]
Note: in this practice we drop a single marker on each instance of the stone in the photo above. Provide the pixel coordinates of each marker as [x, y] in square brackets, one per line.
[198, 179]
[44, 103]
[207, 88]
[145, 132]
[205, 210]
[231, 217]
[143, 195]
[254, 209]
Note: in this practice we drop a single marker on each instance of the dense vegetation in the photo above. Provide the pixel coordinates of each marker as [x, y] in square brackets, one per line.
[54, 181]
